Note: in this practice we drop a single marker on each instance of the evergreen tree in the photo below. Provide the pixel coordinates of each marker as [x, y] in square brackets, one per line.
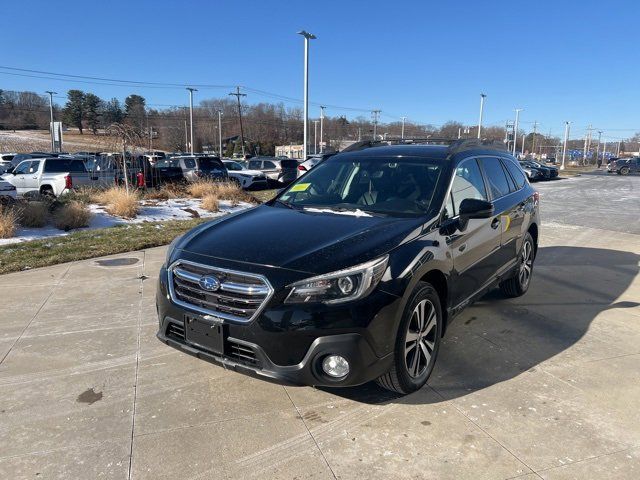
[112, 112]
[73, 113]
[93, 111]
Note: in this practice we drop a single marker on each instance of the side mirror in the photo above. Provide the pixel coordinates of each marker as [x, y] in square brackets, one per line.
[473, 208]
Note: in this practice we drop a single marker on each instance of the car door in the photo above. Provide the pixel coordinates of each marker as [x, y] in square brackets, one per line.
[508, 211]
[271, 170]
[473, 249]
[18, 177]
[32, 177]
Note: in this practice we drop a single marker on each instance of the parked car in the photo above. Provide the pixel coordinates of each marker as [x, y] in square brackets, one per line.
[548, 171]
[354, 271]
[624, 166]
[166, 170]
[50, 176]
[312, 161]
[202, 167]
[5, 161]
[533, 174]
[278, 171]
[243, 176]
[7, 192]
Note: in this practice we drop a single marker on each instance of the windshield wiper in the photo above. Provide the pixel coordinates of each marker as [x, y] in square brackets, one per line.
[286, 204]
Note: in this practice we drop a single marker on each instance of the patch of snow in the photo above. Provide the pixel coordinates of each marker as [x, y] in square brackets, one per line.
[150, 211]
[354, 213]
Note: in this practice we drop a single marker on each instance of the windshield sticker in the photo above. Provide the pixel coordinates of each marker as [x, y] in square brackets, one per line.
[300, 187]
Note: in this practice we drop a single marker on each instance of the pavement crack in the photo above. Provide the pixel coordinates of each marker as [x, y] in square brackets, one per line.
[135, 384]
[311, 434]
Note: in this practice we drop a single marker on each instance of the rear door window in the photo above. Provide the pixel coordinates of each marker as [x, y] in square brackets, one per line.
[255, 164]
[210, 164]
[496, 177]
[516, 173]
[189, 163]
[267, 164]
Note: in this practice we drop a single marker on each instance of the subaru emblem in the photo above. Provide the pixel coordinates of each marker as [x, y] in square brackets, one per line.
[209, 283]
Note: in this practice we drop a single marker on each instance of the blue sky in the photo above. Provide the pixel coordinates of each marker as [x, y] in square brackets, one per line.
[560, 60]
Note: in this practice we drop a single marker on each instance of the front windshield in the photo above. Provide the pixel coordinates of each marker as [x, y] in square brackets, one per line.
[403, 186]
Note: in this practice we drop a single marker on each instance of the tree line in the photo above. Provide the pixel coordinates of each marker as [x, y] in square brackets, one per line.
[265, 124]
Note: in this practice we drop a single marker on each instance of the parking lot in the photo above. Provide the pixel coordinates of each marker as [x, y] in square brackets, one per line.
[544, 386]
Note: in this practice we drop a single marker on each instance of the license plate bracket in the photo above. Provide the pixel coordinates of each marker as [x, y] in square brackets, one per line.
[205, 335]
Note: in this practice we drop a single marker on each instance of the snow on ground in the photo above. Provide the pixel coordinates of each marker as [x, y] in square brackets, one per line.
[150, 211]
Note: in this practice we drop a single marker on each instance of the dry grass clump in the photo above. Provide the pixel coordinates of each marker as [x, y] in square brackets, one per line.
[8, 222]
[233, 192]
[33, 214]
[210, 203]
[74, 214]
[201, 188]
[120, 202]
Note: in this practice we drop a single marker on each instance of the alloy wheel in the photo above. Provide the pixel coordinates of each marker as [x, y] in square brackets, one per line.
[526, 265]
[420, 339]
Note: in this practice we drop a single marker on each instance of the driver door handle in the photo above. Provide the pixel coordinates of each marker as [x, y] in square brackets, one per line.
[495, 223]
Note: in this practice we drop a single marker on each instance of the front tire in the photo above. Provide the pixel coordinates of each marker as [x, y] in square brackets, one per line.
[624, 171]
[518, 285]
[417, 342]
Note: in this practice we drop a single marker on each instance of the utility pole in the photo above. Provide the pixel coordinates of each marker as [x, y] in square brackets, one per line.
[566, 139]
[359, 134]
[588, 143]
[237, 94]
[374, 114]
[598, 147]
[220, 133]
[51, 94]
[482, 97]
[604, 150]
[515, 130]
[191, 90]
[186, 136]
[315, 137]
[307, 36]
[523, 137]
[402, 134]
[459, 133]
[533, 144]
[321, 128]
[618, 149]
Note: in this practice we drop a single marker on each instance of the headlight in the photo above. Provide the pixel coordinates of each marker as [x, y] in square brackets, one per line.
[172, 247]
[342, 286]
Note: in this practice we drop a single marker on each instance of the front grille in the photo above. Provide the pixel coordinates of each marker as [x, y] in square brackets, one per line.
[176, 331]
[240, 296]
[242, 353]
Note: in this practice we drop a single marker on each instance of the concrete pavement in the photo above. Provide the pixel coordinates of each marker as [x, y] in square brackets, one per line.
[545, 386]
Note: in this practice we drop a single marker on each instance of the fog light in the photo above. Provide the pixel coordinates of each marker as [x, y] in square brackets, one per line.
[335, 366]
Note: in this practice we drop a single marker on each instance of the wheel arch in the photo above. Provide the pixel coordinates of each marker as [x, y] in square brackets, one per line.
[534, 232]
[439, 281]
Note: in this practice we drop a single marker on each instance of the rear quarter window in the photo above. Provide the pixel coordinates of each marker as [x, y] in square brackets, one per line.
[516, 173]
[64, 165]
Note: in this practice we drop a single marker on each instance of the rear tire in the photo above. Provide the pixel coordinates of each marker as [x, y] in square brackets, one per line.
[417, 342]
[518, 285]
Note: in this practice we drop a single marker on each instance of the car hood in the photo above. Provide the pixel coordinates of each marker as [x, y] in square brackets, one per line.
[314, 242]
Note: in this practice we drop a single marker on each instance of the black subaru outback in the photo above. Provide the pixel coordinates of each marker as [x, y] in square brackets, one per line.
[353, 272]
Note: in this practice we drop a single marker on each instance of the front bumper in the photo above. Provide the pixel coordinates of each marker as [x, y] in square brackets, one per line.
[287, 344]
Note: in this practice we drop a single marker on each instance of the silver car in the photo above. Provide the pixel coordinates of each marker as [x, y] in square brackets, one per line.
[196, 168]
[243, 176]
[278, 170]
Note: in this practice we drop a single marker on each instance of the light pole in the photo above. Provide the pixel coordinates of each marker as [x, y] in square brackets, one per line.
[321, 128]
[515, 130]
[564, 146]
[315, 137]
[374, 114]
[598, 147]
[402, 134]
[51, 94]
[191, 90]
[482, 97]
[307, 36]
[220, 133]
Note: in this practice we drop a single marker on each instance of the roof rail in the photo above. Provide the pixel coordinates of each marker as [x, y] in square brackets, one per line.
[454, 145]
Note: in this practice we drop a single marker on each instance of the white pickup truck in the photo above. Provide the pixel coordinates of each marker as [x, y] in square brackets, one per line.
[52, 176]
